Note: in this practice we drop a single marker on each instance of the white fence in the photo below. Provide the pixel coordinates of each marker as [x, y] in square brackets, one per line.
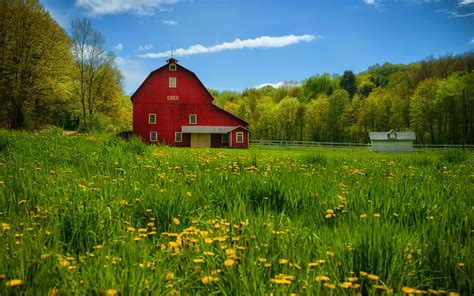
[289, 144]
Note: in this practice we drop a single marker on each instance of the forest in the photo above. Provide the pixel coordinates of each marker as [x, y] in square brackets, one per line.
[50, 78]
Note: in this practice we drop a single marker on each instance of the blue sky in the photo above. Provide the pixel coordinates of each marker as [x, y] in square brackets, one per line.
[238, 44]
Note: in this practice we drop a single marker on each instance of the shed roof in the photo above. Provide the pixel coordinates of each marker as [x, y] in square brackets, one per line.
[203, 129]
[399, 136]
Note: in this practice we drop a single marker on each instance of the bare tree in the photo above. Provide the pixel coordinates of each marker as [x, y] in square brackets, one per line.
[90, 57]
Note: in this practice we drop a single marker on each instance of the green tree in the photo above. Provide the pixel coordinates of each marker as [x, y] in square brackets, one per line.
[422, 111]
[348, 82]
[35, 63]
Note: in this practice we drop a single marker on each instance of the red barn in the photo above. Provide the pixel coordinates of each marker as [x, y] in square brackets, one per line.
[173, 107]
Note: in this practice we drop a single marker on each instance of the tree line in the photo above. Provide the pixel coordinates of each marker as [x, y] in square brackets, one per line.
[50, 78]
[433, 97]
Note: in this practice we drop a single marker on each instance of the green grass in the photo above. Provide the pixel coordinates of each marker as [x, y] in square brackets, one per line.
[83, 214]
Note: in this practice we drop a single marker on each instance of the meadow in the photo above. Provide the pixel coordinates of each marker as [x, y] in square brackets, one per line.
[92, 214]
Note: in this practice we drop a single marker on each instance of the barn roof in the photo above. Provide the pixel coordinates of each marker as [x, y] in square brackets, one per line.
[203, 129]
[400, 136]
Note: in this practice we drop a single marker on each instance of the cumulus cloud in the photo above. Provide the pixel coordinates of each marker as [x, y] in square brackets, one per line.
[171, 23]
[259, 42]
[274, 85]
[140, 7]
[466, 2]
[145, 47]
[119, 46]
[471, 41]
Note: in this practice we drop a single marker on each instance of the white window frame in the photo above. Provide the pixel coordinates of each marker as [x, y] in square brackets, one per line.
[237, 134]
[172, 67]
[172, 82]
[155, 135]
[149, 118]
[176, 137]
[195, 118]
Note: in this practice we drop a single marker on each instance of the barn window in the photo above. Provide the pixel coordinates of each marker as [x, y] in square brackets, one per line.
[240, 137]
[225, 138]
[172, 67]
[153, 136]
[192, 119]
[172, 82]
[178, 137]
[152, 118]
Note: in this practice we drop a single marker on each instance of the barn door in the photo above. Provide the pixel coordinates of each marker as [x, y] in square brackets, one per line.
[201, 140]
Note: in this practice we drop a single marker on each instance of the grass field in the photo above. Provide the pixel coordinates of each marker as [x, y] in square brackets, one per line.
[96, 215]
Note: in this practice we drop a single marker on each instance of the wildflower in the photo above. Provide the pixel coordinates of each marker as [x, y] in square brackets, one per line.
[376, 215]
[363, 216]
[363, 274]
[169, 276]
[329, 286]
[209, 279]
[281, 281]
[189, 194]
[268, 265]
[13, 283]
[98, 246]
[330, 254]
[345, 285]
[283, 261]
[111, 292]
[22, 202]
[150, 224]
[352, 279]
[208, 240]
[373, 277]
[262, 260]
[461, 264]
[5, 226]
[229, 262]
[208, 253]
[198, 260]
[322, 278]
[408, 290]
[176, 221]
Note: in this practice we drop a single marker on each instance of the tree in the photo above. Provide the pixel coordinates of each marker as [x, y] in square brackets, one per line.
[35, 63]
[91, 59]
[348, 82]
[422, 112]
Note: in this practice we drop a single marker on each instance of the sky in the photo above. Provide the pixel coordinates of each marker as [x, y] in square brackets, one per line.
[239, 44]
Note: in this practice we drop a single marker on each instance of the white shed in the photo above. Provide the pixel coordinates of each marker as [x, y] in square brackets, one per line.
[392, 141]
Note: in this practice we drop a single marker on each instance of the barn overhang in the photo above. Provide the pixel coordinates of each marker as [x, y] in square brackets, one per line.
[203, 129]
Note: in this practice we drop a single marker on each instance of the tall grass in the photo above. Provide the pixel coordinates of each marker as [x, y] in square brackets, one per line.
[93, 214]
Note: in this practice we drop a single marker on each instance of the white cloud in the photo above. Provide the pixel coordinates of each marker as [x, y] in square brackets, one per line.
[145, 47]
[371, 2]
[140, 7]
[466, 2]
[471, 41]
[119, 46]
[259, 42]
[172, 23]
[274, 85]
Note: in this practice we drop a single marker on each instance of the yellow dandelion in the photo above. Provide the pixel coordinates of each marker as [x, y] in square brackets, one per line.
[322, 278]
[176, 221]
[198, 260]
[408, 290]
[283, 261]
[281, 281]
[229, 262]
[189, 194]
[111, 292]
[376, 215]
[363, 216]
[345, 285]
[5, 226]
[352, 279]
[373, 277]
[209, 279]
[330, 254]
[461, 264]
[13, 283]
[262, 260]
[169, 276]
[329, 286]
[363, 274]
[329, 211]
[208, 253]
[268, 265]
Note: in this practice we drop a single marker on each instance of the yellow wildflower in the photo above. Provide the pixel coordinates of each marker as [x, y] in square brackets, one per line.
[322, 278]
[283, 261]
[176, 221]
[13, 283]
[209, 279]
[169, 276]
[363, 274]
[198, 260]
[373, 277]
[111, 292]
[229, 262]
[329, 286]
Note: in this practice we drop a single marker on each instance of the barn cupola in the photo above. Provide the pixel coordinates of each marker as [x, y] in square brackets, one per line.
[172, 64]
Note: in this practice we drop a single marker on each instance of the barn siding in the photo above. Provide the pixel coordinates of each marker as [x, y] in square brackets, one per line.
[392, 146]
